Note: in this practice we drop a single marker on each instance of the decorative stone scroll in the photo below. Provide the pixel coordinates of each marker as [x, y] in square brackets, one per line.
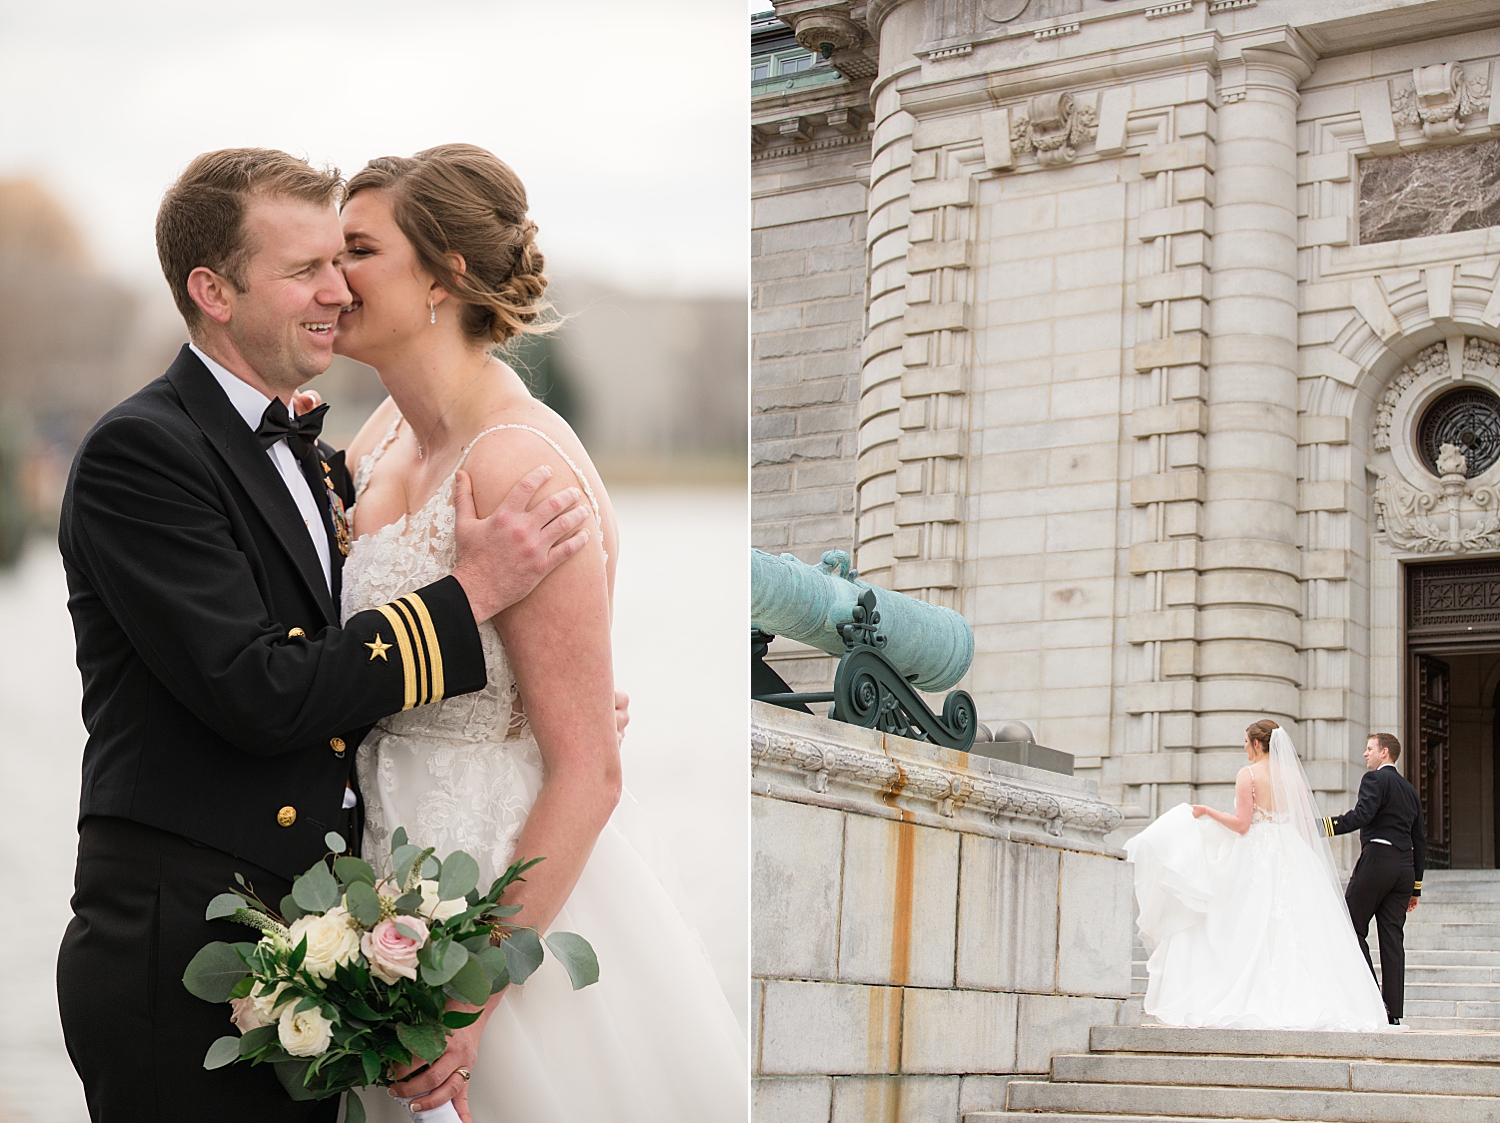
[1054, 126]
[1467, 517]
[1439, 98]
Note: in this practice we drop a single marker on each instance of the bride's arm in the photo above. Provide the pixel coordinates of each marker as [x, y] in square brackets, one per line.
[558, 643]
[1244, 806]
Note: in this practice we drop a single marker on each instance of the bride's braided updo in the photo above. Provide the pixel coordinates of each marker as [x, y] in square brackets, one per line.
[1260, 732]
[460, 199]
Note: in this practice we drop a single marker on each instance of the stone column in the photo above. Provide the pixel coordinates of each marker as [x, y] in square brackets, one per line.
[898, 27]
[1248, 596]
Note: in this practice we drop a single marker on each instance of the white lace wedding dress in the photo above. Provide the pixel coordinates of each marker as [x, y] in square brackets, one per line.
[654, 1040]
[1249, 931]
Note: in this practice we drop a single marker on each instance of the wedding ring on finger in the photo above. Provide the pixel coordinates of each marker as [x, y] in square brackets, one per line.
[464, 1073]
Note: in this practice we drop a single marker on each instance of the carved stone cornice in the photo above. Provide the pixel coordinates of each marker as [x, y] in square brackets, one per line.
[813, 760]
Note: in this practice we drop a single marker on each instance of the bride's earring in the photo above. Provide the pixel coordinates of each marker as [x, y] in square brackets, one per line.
[431, 310]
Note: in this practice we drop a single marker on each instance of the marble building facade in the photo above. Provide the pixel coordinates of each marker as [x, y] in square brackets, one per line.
[1135, 331]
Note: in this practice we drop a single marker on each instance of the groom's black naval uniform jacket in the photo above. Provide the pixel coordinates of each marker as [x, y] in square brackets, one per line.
[1393, 839]
[223, 702]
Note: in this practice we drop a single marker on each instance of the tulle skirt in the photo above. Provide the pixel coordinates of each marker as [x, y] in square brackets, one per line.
[653, 1041]
[1246, 931]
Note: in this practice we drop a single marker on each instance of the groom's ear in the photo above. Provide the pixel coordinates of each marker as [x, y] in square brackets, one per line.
[211, 293]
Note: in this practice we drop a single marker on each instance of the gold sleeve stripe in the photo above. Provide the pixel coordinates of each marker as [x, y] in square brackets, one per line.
[434, 648]
[403, 647]
[1416, 885]
[1328, 827]
[424, 684]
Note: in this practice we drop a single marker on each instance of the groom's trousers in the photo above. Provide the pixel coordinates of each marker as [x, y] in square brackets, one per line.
[135, 1035]
[1380, 887]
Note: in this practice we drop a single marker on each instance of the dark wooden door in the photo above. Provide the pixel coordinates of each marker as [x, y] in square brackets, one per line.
[1430, 767]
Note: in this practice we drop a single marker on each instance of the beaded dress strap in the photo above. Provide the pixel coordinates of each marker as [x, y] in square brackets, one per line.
[582, 479]
[367, 462]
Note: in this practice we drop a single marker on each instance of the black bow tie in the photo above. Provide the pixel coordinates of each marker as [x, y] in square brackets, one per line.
[300, 430]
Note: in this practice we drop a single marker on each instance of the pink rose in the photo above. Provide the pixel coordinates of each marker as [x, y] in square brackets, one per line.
[392, 955]
[245, 1017]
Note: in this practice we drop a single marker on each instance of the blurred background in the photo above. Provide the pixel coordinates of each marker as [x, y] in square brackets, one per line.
[624, 122]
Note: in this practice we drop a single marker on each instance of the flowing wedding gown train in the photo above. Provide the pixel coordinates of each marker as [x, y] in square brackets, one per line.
[1249, 931]
[654, 1040]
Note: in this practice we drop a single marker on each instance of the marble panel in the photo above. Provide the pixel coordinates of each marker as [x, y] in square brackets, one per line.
[1430, 191]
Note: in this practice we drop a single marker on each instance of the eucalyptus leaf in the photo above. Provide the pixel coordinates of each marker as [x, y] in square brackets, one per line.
[409, 932]
[214, 972]
[523, 954]
[289, 909]
[459, 876]
[503, 910]
[363, 903]
[431, 867]
[240, 878]
[292, 1074]
[577, 955]
[445, 960]
[354, 1110]
[492, 959]
[472, 982]
[427, 1042]
[350, 869]
[226, 1050]
[223, 905]
[335, 842]
[401, 860]
[257, 1039]
[317, 890]
[398, 839]
[409, 902]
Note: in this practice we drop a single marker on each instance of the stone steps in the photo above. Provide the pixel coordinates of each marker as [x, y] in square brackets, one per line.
[1136, 1073]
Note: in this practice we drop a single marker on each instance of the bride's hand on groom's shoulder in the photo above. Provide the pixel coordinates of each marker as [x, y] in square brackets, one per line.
[500, 559]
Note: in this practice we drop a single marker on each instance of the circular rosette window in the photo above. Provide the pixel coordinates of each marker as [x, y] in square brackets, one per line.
[1469, 420]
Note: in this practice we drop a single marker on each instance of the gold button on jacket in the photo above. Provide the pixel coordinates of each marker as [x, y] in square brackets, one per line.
[295, 632]
[337, 745]
[286, 816]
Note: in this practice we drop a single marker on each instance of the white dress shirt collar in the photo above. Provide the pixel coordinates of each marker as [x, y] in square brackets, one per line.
[248, 402]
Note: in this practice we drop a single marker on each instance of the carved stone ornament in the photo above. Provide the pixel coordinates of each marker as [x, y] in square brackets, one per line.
[1439, 98]
[1461, 515]
[1053, 126]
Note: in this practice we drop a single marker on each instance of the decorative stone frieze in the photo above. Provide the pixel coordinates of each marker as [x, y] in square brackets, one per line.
[814, 761]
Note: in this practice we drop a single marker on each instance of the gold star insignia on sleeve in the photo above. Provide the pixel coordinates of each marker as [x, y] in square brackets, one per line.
[378, 648]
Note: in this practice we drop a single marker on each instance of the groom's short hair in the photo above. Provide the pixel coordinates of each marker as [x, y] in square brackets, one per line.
[201, 220]
[1389, 742]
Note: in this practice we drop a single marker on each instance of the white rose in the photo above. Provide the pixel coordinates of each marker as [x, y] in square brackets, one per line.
[304, 1034]
[332, 940]
[265, 1005]
[434, 909]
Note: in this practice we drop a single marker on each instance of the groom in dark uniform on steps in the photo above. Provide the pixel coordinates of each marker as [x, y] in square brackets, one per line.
[1387, 880]
[202, 533]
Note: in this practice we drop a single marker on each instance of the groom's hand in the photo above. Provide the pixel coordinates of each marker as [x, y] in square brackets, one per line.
[499, 560]
[1411, 905]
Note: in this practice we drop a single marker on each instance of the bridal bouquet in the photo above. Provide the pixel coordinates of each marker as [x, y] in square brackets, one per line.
[351, 977]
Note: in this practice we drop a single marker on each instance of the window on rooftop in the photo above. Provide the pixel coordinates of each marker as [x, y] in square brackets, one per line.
[760, 70]
[796, 64]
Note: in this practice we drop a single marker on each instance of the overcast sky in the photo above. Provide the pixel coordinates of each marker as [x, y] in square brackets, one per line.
[626, 121]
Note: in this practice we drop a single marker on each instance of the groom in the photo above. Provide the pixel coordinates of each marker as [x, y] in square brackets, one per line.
[1387, 879]
[202, 533]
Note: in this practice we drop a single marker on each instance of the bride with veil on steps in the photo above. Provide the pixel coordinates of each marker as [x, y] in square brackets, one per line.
[1244, 913]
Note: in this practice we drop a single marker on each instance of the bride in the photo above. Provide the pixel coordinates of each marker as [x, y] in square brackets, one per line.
[1244, 911]
[440, 260]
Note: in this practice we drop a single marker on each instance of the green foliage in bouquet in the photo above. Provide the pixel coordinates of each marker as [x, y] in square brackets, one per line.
[353, 971]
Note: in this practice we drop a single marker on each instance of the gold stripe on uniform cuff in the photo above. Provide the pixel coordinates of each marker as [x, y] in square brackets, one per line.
[403, 646]
[424, 685]
[434, 648]
[1328, 827]
[1417, 885]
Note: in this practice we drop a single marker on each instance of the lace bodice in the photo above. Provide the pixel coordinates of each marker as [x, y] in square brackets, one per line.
[461, 772]
[1259, 814]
